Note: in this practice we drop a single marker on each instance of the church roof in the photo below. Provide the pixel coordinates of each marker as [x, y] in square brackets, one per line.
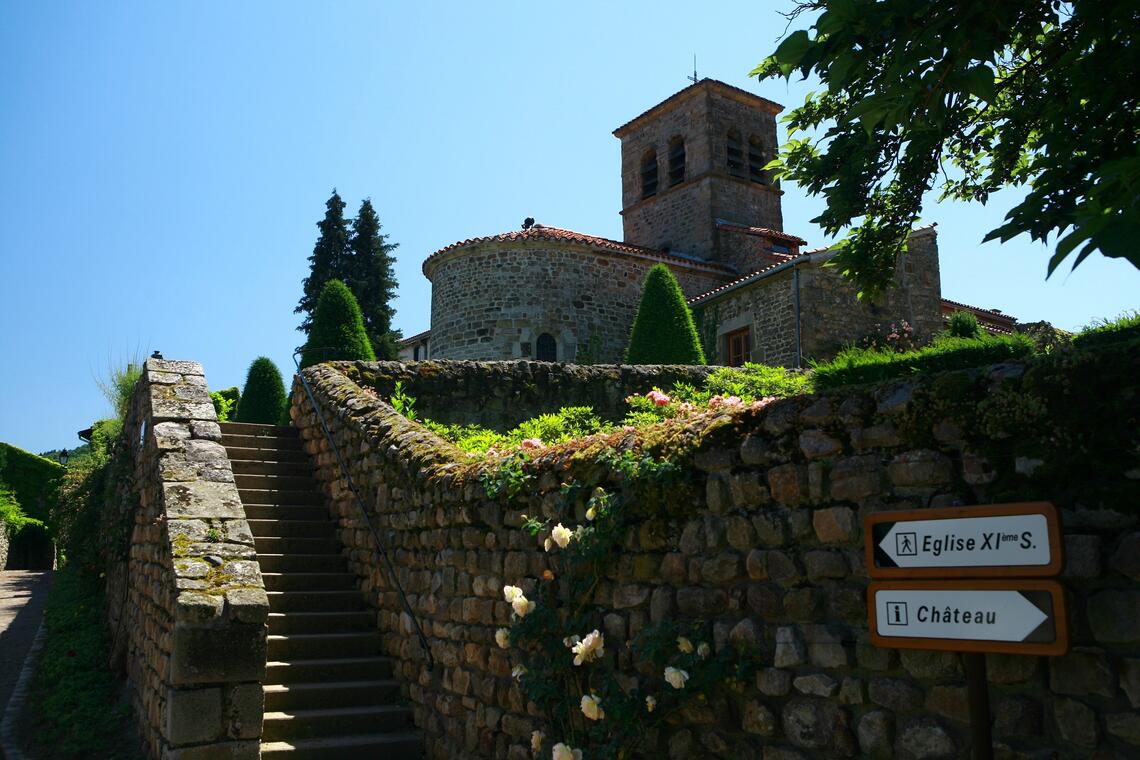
[705, 84]
[748, 278]
[558, 235]
[760, 231]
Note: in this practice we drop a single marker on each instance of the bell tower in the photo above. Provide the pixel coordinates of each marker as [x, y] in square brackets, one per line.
[693, 165]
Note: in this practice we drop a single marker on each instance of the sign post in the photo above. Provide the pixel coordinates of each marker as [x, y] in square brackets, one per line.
[969, 580]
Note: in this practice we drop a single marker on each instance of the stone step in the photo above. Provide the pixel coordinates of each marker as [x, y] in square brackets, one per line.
[320, 622]
[317, 563]
[394, 746]
[292, 454]
[308, 646]
[285, 512]
[335, 721]
[262, 467]
[253, 428]
[315, 601]
[276, 482]
[309, 696]
[296, 545]
[308, 497]
[309, 581]
[293, 528]
[261, 443]
[328, 669]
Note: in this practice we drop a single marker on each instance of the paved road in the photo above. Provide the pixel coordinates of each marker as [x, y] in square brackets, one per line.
[22, 596]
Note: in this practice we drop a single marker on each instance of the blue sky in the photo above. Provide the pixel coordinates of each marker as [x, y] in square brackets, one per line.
[163, 166]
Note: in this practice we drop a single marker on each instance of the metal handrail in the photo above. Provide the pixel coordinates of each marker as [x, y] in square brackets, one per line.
[360, 504]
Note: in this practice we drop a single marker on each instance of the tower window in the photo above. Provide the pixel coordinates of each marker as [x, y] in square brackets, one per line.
[756, 161]
[676, 161]
[734, 148]
[546, 350]
[649, 174]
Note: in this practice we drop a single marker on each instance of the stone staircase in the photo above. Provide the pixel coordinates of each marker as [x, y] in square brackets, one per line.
[328, 692]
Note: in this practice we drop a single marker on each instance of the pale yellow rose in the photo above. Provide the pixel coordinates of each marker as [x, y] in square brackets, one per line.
[592, 707]
[676, 677]
[503, 638]
[684, 645]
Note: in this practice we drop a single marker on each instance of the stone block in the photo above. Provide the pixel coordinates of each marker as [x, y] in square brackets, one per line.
[931, 664]
[747, 491]
[758, 719]
[1126, 559]
[921, 467]
[739, 533]
[232, 653]
[894, 693]
[816, 444]
[1124, 726]
[825, 647]
[202, 499]
[722, 568]
[788, 484]
[816, 724]
[1082, 672]
[835, 525]
[1082, 556]
[236, 750]
[876, 734]
[1076, 722]
[790, 648]
[1010, 668]
[773, 682]
[1130, 680]
[1114, 616]
[856, 478]
[193, 716]
[821, 564]
[771, 529]
[876, 437]
[817, 685]
[949, 701]
[243, 708]
[717, 494]
[925, 738]
[1018, 715]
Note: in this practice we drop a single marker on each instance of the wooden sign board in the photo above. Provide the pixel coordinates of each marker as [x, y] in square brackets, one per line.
[989, 541]
[1012, 617]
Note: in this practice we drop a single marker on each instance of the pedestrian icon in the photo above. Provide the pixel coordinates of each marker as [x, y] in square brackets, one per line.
[896, 613]
[906, 544]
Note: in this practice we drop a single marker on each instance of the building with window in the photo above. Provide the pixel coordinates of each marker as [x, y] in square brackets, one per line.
[695, 197]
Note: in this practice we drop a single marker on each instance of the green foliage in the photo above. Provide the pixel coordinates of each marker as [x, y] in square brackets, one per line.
[963, 324]
[567, 423]
[79, 707]
[263, 397]
[32, 480]
[663, 330]
[118, 387]
[225, 402]
[337, 331]
[859, 365]
[756, 381]
[991, 88]
[11, 516]
[1125, 327]
[362, 259]
[402, 402]
[76, 515]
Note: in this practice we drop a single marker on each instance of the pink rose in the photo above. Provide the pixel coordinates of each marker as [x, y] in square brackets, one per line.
[532, 444]
[658, 398]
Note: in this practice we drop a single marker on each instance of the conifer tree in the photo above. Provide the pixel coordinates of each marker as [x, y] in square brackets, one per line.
[663, 330]
[328, 259]
[368, 274]
[337, 331]
[262, 399]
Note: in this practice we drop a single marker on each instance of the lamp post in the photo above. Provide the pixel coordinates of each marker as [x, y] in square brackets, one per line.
[64, 455]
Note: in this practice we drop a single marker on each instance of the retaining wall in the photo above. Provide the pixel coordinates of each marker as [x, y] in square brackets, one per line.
[762, 538]
[187, 603]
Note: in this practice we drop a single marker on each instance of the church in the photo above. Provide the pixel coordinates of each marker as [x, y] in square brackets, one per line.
[695, 197]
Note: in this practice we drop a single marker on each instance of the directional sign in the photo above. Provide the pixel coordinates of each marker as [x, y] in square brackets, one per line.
[984, 541]
[1016, 617]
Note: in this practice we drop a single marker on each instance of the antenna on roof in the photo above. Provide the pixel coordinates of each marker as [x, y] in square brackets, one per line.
[693, 78]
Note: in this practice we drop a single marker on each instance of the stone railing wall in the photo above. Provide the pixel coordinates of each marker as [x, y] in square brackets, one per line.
[187, 603]
[765, 543]
[500, 395]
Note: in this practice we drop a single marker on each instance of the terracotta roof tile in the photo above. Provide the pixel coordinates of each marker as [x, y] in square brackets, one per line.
[759, 231]
[559, 235]
[995, 314]
[752, 277]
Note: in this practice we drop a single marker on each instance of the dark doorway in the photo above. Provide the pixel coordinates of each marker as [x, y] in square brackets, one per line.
[545, 349]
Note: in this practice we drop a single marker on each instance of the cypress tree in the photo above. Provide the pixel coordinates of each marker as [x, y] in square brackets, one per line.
[368, 274]
[262, 399]
[663, 330]
[328, 259]
[337, 331]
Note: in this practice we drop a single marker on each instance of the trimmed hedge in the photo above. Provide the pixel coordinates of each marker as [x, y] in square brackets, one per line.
[337, 332]
[663, 330]
[263, 397]
[34, 480]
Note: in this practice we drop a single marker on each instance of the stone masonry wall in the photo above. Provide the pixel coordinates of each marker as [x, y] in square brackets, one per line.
[763, 540]
[768, 309]
[187, 604]
[493, 300]
[832, 316]
[500, 395]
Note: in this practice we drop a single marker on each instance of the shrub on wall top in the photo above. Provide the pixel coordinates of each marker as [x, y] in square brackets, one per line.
[663, 330]
[963, 324]
[338, 331]
[263, 397]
